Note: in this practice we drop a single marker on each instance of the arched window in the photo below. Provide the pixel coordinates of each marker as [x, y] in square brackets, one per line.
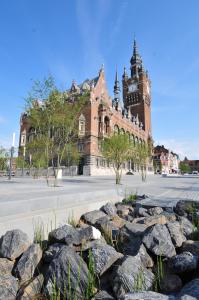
[31, 134]
[106, 125]
[128, 133]
[82, 125]
[136, 140]
[116, 129]
[122, 131]
[133, 139]
[100, 124]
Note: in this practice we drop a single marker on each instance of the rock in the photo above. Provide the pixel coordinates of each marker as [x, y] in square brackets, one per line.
[92, 216]
[183, 262]
[147, 296]
[104, 256]
[157, 219]
[186, 226]
[131, 275]
[118, 222]
[170, 217]
[109, 209]
[157, 239]
[142, 212]
[88, 233]
[8, 287]
[108, 228]
[103, 295]
[31, 290]
[13, 244]
[170, 283]
[176, 233]
[190, 291]
[184, 207]
[123, 210]
[155, 211]
[134, 229]
[52, 250]
[191, 246]
[28, 263]
[65, 234]
[131, 235]
[146, 260]
[6, 266]
[67, 272]
[93, 244]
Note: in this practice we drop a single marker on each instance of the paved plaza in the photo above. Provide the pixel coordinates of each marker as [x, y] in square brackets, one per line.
[23, 200]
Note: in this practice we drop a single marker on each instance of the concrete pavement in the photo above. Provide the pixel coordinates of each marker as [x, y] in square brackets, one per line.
[25, 202]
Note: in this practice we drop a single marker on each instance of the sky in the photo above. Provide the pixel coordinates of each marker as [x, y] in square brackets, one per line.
[71, 39]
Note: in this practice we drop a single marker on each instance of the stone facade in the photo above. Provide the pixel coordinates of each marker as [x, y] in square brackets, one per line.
[104, 116]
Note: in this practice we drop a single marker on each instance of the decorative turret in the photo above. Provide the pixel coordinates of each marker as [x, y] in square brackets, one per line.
[125, 75]
[116, 90]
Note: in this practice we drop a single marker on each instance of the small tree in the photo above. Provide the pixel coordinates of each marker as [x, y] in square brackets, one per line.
[54, 117]
[143, 153]
[4, 156]
[184, 167]
[117, 149]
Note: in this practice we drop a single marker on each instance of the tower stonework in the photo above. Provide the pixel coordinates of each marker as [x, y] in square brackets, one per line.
[137, 91]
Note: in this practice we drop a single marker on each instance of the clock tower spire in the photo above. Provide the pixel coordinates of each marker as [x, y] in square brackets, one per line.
[136, 90]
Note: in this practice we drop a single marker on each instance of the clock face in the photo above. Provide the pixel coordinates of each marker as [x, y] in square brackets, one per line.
[132, 87]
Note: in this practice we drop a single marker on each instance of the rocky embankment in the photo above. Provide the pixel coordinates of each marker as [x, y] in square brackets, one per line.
[123, 251]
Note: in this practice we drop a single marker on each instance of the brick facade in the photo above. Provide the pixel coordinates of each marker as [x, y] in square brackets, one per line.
[103, 116]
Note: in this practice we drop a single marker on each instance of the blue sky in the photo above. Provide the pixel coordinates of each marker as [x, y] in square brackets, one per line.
[72, 38]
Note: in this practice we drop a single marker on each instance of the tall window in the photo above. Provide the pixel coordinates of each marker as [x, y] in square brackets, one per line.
[82, 125]
[106, 125]
[116, 129]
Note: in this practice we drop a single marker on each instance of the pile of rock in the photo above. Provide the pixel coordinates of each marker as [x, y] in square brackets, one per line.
[123, 251]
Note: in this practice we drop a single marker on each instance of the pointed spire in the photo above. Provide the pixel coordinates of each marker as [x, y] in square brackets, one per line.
[135, 61]
[116, 90]
[125, 75]
[116, 85]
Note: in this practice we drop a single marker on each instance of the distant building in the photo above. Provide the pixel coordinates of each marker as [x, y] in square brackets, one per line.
[165, 161]
[104, 116]
[193, 164]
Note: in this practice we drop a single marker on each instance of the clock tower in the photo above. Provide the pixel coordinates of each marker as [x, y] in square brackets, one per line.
[136, 91]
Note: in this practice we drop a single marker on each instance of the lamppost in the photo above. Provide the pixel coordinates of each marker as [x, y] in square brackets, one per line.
[11, 156]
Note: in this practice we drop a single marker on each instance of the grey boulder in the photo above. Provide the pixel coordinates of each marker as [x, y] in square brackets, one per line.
[67, 273]
[66, 234]
[28, 263]
[186, 226]
[52, 250]
[110, 209]
[6, 266]
[176, 233]
[155, 210]
[13, 244]
[130, 276]
[104, 256]
[92, 216]
[8, 287]
[32, 289]
[183, 262]
[103, 295]
[190, 291]
[157, 239]
[146, 296]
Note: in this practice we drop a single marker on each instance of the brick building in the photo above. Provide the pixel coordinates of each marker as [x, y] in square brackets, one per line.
[103, 115]
[193, 164]
[165, 161]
